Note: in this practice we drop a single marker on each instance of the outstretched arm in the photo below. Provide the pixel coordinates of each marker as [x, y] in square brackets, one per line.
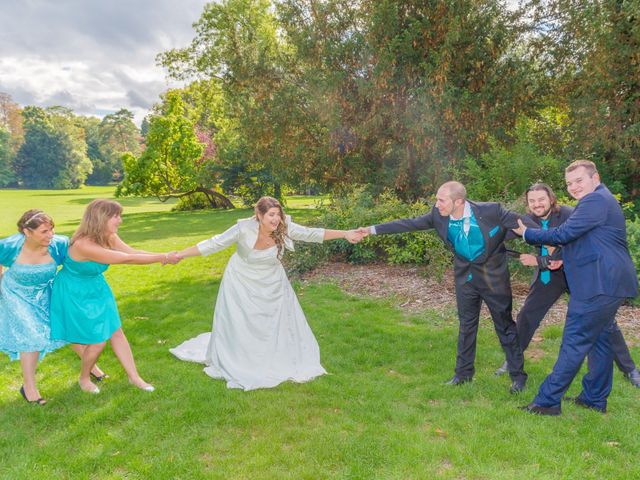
[85, 249]
[352, 236]
[212, 245]
[423, 222]
[189, 252]
[589, 213]
[116, 243]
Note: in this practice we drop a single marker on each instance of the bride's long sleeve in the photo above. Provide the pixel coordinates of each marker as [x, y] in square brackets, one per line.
[298, 233]
[219, 242]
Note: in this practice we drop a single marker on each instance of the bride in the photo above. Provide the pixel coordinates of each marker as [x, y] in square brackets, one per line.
[260, 335]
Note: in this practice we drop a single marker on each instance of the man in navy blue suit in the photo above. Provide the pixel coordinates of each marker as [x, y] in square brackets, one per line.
[549, 285]
[600, 275]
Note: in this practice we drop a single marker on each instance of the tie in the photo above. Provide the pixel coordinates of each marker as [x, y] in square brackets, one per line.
[545, 275]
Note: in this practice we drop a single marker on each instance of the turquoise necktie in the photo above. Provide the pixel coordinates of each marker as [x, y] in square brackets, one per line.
[545, 275]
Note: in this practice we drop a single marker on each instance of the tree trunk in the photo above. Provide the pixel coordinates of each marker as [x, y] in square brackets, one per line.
[216, 199]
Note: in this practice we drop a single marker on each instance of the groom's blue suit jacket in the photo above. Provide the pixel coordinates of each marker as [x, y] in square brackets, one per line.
[595, 252]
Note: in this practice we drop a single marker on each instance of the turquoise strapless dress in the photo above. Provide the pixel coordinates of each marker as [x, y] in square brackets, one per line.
[25, 293]
[83, 308]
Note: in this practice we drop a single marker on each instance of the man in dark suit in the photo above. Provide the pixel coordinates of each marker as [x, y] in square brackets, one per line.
[475, 233]
[600, 275]
[549, 285]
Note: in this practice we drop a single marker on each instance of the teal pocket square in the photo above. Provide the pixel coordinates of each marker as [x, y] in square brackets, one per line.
[494, 230]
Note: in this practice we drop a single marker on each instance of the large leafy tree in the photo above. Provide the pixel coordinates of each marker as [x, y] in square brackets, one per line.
[237, 50]
[591, 50]
[380, 92]
[54, 152]
[178, 160]
[118, 135]
[108, 140]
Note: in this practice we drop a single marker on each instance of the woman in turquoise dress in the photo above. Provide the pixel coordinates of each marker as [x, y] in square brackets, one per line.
[83, 308]
[32, 258]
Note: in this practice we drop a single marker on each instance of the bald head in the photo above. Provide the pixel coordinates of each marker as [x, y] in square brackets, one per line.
[450, 199]
[455, 190]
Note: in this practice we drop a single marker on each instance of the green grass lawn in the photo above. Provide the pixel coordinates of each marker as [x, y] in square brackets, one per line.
[382, 412]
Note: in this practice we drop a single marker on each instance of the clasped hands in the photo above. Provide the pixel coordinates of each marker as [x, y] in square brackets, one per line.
[356, 236]
[171, 258]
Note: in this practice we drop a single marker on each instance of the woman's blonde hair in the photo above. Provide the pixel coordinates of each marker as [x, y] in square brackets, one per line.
[94, 221]
[280, 233]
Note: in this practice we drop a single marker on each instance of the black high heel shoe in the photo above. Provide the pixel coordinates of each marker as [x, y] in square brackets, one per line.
[98, 378]
[40, 401]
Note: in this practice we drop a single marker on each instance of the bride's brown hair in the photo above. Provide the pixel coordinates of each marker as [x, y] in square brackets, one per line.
[280, 233]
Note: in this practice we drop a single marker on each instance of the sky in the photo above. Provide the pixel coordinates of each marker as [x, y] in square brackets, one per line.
[94, 57]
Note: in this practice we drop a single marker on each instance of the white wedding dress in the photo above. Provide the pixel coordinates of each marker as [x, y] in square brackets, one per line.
[260, 336]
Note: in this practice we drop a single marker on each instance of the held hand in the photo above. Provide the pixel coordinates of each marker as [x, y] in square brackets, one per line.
[353, 236]
[364, 231]
[528, 260]
[521, 228]
[555, 264]
[172, 258]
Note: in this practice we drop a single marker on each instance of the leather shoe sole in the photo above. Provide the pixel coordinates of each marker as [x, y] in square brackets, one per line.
[581, 403]
[457, 381]
[540, 410]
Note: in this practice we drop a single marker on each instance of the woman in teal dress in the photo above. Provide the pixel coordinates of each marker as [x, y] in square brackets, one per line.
[83, 308]
[32, 258]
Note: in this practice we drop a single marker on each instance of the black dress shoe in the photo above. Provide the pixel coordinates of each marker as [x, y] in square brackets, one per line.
[581, 403]
[456, 380]
[634, 377]
[540, 410]
[517, 386]
[502, 370]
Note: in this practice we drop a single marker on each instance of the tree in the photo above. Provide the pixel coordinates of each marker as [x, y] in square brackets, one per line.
[11, 120]
[175, 163]
[6, 158]
[115, 135]
[54, 152]
[376, 92]
[591, 50]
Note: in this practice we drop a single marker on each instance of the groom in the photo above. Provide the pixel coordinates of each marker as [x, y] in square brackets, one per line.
[475, 233]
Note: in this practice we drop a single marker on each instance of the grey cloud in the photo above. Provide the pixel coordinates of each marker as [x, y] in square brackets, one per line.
[117, 29]
[19, 95]
[66, 99]
[106, 36]
[136, 99]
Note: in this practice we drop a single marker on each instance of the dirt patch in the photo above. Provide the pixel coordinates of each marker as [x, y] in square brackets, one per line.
[413, 292]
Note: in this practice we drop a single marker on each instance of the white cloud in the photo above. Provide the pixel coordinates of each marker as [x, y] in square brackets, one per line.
[94, 57]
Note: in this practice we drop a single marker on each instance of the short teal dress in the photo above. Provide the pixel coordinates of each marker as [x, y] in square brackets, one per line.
[83, 308]
[25, 292]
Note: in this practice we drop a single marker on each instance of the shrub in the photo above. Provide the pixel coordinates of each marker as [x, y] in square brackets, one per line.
[504, 173]
[633, 239]
[360, 208]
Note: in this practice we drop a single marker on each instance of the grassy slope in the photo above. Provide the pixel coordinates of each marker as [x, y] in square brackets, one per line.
[382, 412]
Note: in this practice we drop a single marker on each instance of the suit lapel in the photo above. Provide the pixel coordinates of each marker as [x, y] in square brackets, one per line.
[484, 228]
[442, 227]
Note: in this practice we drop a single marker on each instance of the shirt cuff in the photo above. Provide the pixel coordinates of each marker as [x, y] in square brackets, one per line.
[372, 230]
